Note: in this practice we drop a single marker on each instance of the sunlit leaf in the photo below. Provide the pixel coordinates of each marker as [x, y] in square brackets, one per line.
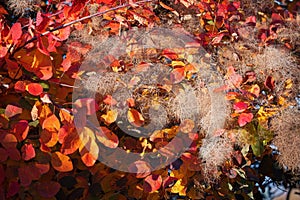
[16, 32]
[107, 137]
[179, 188]
[177, 75]
[110, 116]
[152, 183]
[34, 89]
[135, 118]
[12, 110]
[61, 162]
[240, 106]
[245, 118]
[69, 138]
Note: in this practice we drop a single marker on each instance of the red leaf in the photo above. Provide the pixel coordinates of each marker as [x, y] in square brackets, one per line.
[3, 10]
[16, 32]
[169, 54]
[47, 189]
[240, 106]
[217, 40]
[61, 162]
[8, 140]
[3, 51]
[20, 129]
[41, 47]
[107, 137]
[11, 111]
[2, 174]
[34, 89]
[27, 173]
[13, 188]
[251, 20]
[28, 152]
[3, 156]
[177, 75]
[152, 183]
[245, 118]
[20, 86]
[13, 153]
[276, 18]
[105, 1]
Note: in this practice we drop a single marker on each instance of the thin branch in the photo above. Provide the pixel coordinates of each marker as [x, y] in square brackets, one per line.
[82, 19]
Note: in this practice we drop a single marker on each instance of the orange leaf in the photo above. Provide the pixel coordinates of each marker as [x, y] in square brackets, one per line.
[48, 138]
[177, 75]
[107, 137]
[65, 116]
[152, 183]
[110, 117]
[270, 83]
[135, 118]
[34, 89]
[88, 159]
[69, 138]
[61, 162]
[11, 111]
[51, 123]
[245, 118]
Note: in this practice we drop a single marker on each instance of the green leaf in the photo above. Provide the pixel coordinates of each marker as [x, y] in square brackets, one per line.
[211, 22]
[257, 147]
[34, 123]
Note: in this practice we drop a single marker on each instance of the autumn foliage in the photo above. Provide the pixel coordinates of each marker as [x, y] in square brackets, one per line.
[230, 118]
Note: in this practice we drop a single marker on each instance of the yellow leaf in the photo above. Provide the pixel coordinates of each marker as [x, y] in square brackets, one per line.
[179, 188]
[288, 84]
[177, 64]
[110, 117]
[281, 101]
[264, 114]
